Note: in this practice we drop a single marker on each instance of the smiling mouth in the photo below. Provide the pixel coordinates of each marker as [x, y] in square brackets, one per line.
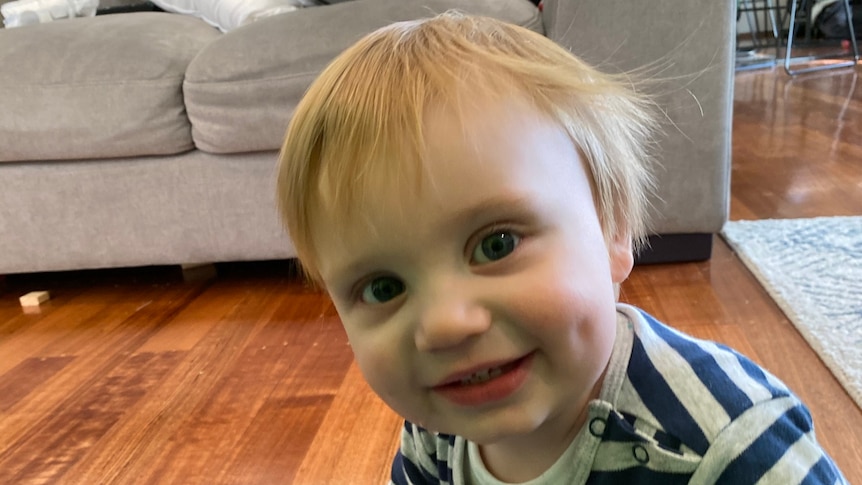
[487, 374]
[487, 386]
[484, 375]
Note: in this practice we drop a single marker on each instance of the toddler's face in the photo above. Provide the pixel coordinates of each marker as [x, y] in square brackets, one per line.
[483, 304]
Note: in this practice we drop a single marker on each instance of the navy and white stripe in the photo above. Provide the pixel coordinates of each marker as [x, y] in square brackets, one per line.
[674, 410]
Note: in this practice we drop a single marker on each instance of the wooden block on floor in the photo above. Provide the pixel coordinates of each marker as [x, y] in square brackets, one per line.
[32, 310]
[198, 272]
[34, 299]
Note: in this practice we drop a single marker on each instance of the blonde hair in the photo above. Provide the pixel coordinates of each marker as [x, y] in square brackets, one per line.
[362, 119]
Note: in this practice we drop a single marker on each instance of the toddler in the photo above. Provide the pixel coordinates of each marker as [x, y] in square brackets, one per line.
[470, 195]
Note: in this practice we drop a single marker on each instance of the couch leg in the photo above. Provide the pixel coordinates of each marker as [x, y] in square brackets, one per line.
[193, 273]
[676, 248]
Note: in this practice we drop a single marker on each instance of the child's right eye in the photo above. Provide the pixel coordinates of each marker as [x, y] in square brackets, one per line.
[382, 289]
[495, 246]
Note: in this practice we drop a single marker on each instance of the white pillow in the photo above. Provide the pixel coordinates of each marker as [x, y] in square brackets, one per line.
[230, 14]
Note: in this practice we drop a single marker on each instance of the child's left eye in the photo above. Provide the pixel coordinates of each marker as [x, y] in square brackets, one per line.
[495, 246]
[382, 289]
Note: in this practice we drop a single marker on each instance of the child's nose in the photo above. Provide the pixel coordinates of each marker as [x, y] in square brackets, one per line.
[448, 321]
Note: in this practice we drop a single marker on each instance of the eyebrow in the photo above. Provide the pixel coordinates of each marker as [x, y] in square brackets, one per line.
[510, 204]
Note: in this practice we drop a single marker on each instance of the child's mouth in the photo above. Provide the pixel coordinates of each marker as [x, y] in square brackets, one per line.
[488, 385]
[488, 374]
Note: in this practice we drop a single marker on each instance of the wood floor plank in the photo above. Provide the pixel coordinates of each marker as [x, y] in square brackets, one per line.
[47, 451]
[357, 440]
[26, 377]
[99, 342]
[207, 400]
[258, 363]
[797, 145]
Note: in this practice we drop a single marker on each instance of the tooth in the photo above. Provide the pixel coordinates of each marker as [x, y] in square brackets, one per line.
[482, 376]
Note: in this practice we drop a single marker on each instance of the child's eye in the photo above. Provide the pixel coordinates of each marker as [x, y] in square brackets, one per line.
[382, 289]
[495, 246]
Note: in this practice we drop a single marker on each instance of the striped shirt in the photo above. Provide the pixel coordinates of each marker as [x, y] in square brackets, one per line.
[673, 409]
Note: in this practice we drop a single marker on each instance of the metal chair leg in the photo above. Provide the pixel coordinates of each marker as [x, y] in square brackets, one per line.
[752, 10]
[788, 53]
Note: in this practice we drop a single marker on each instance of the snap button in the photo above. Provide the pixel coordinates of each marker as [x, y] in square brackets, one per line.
[641, 454]
[597, 427]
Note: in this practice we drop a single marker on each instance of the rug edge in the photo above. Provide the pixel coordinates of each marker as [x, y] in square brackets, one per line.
[835, 369]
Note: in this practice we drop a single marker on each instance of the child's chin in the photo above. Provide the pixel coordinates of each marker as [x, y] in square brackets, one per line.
[489, 431]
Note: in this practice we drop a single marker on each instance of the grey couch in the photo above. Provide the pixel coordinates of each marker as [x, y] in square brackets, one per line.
[151, 138]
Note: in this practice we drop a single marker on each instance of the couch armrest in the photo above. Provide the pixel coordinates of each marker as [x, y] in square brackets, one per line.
[688, 44]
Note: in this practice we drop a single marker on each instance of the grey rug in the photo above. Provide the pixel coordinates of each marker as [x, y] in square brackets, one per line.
[813, 270]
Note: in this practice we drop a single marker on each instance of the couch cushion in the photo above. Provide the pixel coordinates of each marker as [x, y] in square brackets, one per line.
[242, 89]
[105, 86]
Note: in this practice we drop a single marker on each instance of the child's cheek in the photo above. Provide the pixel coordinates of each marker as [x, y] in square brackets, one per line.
[555, 295]
[380, 360]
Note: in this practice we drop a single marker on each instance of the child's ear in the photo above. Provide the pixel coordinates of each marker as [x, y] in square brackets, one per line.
[621, 256]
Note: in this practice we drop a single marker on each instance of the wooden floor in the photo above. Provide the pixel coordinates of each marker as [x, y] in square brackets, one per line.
[135, 377]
